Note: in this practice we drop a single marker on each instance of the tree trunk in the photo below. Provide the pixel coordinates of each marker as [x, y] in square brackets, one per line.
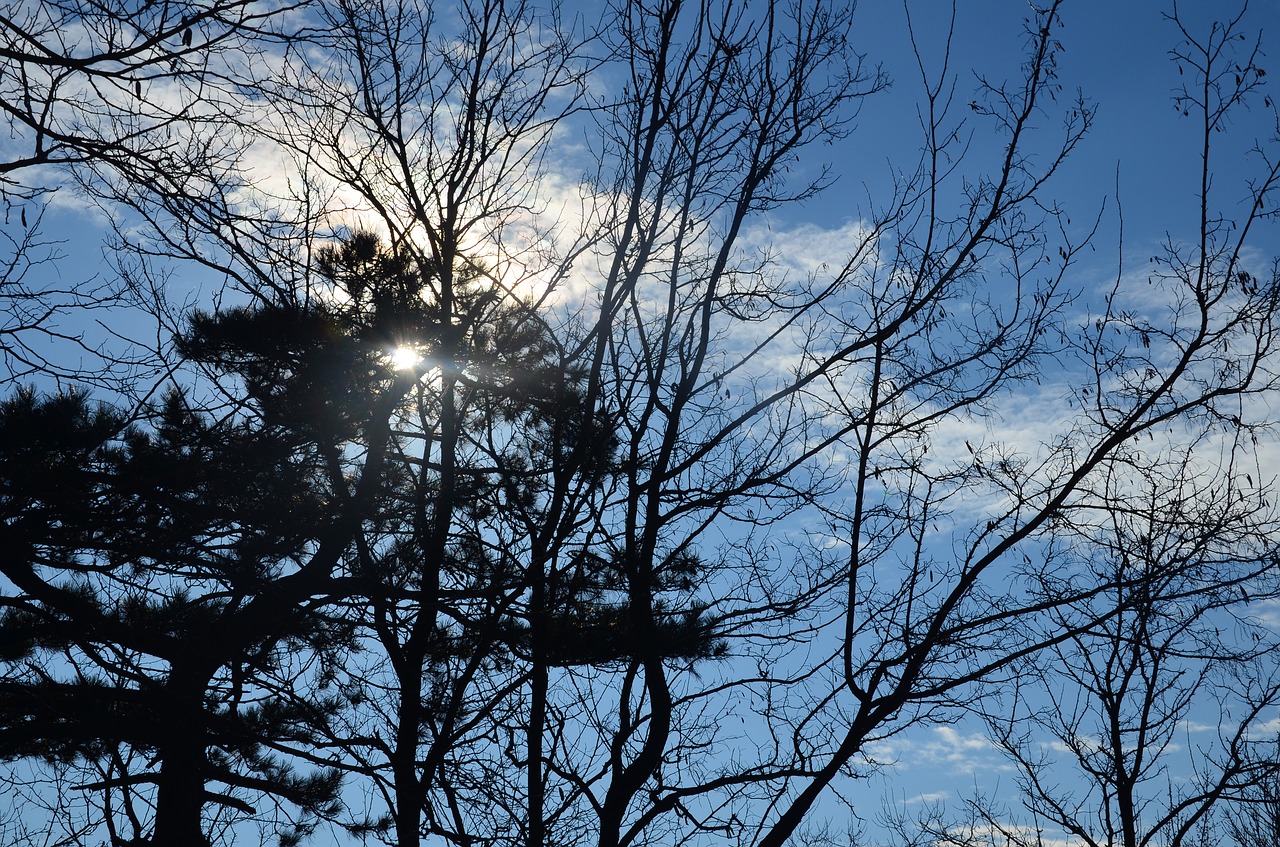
[180, 794]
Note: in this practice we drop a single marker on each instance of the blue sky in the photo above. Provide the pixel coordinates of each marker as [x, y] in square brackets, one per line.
[1117, 54]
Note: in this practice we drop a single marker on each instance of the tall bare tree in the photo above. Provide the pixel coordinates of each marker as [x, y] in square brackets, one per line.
[1175, 536]
[644, 535]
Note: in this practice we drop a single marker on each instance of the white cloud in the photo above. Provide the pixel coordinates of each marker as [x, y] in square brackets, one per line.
[928, 797]
[955, 752]
[810, 249]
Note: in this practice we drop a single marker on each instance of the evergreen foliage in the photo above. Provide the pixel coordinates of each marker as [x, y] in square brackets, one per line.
[172, 566]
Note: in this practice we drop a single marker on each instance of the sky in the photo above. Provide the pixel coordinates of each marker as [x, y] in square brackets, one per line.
[1116, 54]
[1141, 157]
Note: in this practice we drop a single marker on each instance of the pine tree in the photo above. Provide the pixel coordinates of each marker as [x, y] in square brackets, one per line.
[403, 456]
[135, 548]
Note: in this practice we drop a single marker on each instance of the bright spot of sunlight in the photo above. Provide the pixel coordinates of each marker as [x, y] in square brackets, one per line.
[405, 358]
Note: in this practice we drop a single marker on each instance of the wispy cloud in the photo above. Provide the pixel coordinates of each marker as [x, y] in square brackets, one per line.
[946, 750]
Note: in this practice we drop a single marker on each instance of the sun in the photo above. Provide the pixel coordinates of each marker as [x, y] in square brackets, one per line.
[405, 358]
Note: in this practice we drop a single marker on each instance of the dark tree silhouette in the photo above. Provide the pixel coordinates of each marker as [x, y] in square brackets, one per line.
[137, 548]
[619, 529]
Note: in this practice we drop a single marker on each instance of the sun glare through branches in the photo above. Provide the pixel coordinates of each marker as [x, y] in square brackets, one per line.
[528, 423]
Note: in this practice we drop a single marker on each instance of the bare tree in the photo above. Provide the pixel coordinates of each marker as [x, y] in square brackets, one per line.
[1177, 650]
[1169, 545]
[644, 535]
[144, 93]
[916, 330]
[1255, 820]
